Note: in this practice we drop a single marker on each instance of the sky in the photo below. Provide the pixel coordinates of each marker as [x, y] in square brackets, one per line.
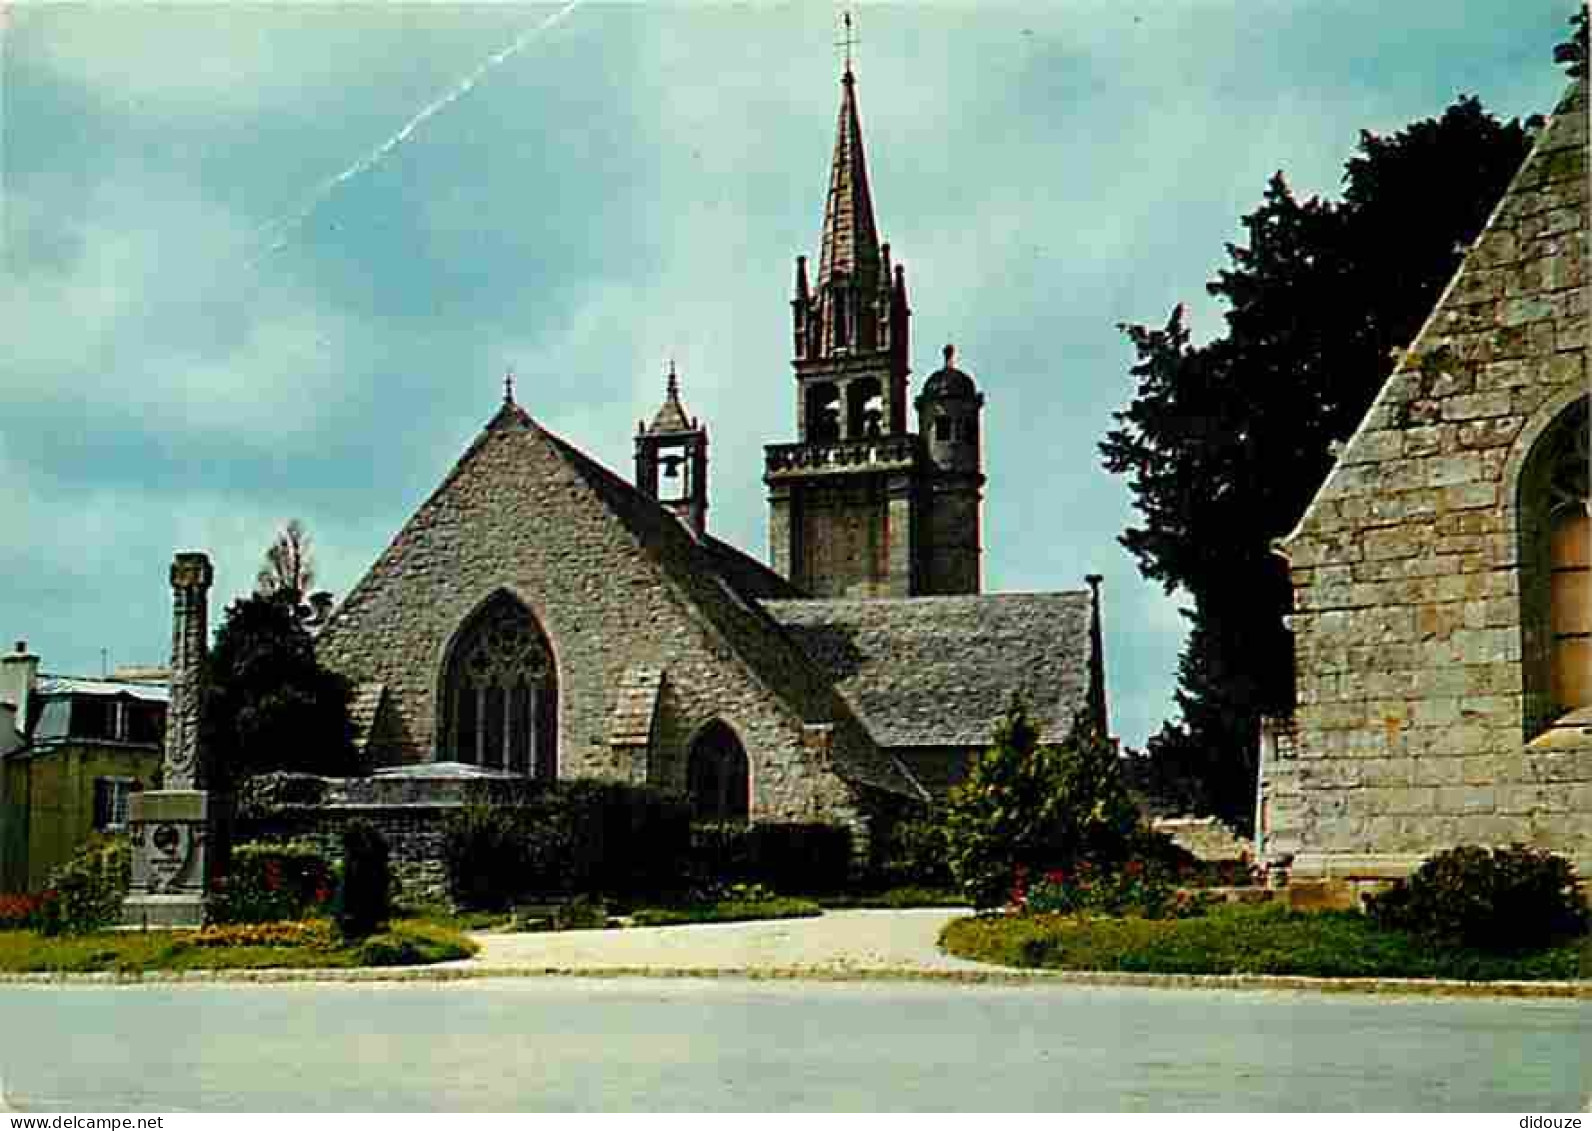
[260, 262]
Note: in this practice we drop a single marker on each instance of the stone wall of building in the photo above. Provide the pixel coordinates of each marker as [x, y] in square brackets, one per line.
[1416, 624]
[520, 513]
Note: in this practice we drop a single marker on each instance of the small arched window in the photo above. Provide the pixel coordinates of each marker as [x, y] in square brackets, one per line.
[718, 779]
[500, 693]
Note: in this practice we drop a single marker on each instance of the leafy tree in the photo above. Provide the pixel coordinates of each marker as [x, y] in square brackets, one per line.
[1036, 807]
[270, 704]
[1225, 442]
[288, 574]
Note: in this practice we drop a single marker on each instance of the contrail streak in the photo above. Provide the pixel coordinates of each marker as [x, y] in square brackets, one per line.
[280, 228]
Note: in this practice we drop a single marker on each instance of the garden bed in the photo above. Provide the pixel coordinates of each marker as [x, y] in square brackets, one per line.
[1242, 939]
[313, 945]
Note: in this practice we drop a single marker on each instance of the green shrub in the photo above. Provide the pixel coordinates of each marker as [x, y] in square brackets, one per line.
[272, 881]
[563, 838]
[86, 893]
[916, 854]
[1499, 900]
[1036, 807]
[411, 943]
[785, 856]
[366, 894]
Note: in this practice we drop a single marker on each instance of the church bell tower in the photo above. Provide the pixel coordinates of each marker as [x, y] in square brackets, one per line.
[844, 498]
[672, 459]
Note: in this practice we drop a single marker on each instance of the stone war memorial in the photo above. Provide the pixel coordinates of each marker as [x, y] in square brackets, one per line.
[541, 617]
[1442, 575]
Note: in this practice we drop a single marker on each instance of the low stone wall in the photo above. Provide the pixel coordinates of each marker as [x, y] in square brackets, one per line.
[1206, 837]
[411, 813]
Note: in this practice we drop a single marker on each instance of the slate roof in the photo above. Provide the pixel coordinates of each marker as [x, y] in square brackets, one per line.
[77, 685]
[710, 576]
[940, 671]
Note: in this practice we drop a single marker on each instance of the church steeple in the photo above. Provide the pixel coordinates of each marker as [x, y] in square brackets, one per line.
[853, 312]
[850, 247]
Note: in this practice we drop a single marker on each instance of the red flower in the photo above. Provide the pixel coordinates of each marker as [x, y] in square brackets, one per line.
[1056, 876]
[273, 875]
[322, 894]
[1134, 867]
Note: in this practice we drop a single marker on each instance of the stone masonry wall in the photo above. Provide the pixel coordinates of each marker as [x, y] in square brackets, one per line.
[514, 515]
[1407, 571]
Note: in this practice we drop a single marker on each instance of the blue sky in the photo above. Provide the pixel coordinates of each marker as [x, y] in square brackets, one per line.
[200, 339]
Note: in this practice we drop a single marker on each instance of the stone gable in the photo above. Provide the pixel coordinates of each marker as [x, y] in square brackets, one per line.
[615, 583]
[1419, 607]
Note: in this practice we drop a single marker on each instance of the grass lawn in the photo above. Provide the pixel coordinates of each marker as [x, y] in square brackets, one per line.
[1266, 939]
[726, 911]
[404, 943]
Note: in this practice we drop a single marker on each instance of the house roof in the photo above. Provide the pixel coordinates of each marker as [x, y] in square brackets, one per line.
[76, 685]
[940, 671]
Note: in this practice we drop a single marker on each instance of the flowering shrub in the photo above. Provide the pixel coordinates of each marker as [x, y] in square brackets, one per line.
[86, 893]
[23, 912]
[1027, 804]
[312, 933]
[1134, 888]
[271, 882]
[1499, 900]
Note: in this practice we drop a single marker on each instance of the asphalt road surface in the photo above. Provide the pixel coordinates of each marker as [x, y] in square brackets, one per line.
[637, 1044]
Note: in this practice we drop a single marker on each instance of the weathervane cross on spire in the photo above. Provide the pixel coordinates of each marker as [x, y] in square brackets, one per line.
[848, 37]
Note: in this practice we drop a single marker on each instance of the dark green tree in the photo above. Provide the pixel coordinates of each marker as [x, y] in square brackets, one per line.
[1225, 442]
[270, 705]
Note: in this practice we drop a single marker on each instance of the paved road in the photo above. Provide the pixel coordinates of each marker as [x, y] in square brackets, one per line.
[640, 1044]
[836, 942]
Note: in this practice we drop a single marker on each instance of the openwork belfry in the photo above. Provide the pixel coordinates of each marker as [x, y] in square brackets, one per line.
[501, 693]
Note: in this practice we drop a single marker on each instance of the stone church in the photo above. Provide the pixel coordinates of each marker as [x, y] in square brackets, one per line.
[1443, 574]
[539, 615]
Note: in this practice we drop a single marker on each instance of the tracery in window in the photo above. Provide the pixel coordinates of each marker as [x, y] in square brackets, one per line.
[500, 692]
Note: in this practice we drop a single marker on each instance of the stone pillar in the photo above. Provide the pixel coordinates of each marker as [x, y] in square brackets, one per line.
[170, 827]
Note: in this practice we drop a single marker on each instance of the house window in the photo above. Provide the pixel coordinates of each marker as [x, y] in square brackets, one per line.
[718, 781]
[500, 692]
[111, 800]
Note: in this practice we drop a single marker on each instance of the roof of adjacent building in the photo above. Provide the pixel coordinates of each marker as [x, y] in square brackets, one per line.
[941, 671]
[77, 685]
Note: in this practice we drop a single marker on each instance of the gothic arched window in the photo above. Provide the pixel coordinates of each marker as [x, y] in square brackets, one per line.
[500, 693]
[1556, 571]
[718, 779]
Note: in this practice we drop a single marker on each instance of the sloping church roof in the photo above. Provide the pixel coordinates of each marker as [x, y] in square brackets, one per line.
[710, 580]
[940, 671]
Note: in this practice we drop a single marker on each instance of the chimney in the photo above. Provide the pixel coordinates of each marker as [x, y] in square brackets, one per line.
[18, 672]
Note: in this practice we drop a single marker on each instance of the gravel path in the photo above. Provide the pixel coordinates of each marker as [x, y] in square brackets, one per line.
[837, 941]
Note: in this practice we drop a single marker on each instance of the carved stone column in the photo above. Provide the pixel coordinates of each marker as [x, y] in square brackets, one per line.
[191, 576]
[170, 827]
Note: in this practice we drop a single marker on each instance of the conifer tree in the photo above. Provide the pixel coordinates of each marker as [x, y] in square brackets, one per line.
[1225, 442]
